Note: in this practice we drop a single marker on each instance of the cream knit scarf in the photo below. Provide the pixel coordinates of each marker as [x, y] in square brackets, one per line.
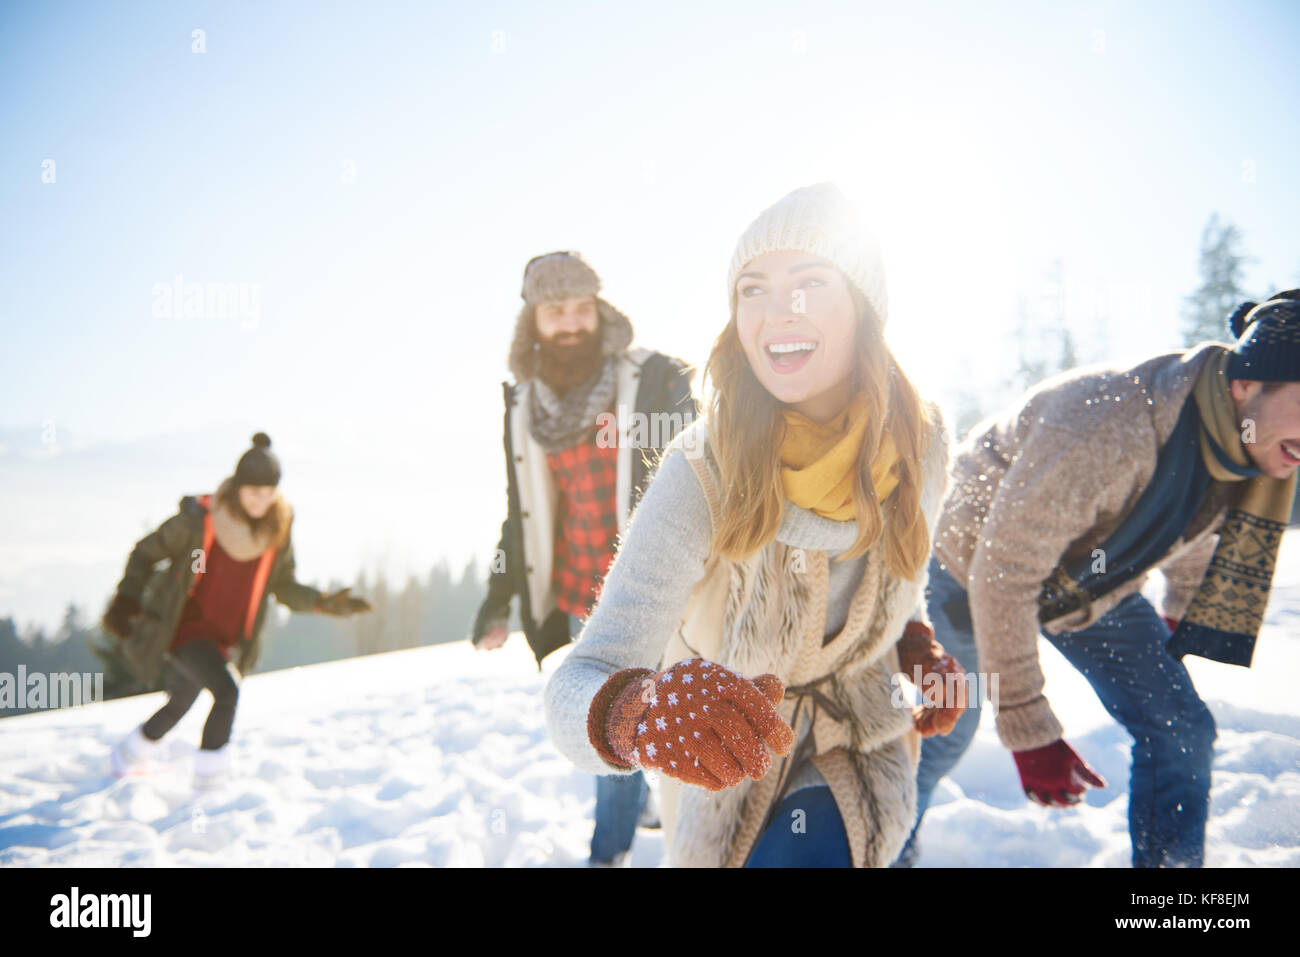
[235, 536]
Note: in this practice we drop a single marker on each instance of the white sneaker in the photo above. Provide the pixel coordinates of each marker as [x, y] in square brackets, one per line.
[211, 768]
[131, 754]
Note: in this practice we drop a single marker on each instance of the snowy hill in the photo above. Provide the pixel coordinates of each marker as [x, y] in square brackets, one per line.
[439, 756]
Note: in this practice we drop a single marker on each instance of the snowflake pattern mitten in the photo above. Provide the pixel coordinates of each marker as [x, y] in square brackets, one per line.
[695, 721]
[944, 682]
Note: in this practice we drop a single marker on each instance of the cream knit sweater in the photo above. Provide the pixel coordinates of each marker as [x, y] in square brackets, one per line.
[645, 592]
[1048, 481]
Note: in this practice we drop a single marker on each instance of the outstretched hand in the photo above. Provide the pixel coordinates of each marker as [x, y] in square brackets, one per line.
[341, 603]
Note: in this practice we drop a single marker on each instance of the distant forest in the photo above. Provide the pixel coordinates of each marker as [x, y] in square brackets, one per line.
[435, 610]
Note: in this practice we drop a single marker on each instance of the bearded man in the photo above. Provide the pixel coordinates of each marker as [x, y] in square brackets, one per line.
[584, 422]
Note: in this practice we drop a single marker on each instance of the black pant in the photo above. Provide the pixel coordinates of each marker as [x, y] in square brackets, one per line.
[192, 667]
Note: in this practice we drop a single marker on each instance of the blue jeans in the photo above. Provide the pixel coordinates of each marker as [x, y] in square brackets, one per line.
[1141, 685]
[620, 799]
[806, 831]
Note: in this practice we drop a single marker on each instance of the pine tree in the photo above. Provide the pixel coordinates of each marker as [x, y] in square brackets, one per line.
[1045, 345]
[1221, 263]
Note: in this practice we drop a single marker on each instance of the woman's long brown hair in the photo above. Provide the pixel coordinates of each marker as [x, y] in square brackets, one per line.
[746, 429]
[274, 525]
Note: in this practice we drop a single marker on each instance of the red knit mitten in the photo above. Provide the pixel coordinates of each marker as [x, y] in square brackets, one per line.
[1054, 775]
[944, 697]
[696, 721]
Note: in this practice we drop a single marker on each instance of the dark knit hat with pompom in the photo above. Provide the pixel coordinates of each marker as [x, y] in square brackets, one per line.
[259, 465]
[1268, 339]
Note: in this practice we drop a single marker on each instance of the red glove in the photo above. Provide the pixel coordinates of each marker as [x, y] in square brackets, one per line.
[696, 721]
[917, 647]
[1054, 775]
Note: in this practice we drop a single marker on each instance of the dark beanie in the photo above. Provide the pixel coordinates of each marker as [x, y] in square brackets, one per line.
[1268, 339]
[258, 466]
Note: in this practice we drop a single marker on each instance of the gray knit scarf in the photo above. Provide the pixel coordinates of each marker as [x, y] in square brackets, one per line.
[558, 423]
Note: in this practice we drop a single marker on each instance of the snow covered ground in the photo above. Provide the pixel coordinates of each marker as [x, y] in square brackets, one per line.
[439, 756]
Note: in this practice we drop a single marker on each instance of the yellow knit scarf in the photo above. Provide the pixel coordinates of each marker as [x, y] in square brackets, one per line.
[818, 459]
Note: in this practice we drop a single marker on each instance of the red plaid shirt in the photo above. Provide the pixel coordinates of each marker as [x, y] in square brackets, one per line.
[586, 476]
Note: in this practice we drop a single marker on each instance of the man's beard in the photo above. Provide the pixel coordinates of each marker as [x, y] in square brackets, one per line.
[569, 362]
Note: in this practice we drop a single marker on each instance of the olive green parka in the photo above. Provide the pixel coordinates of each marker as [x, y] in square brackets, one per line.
[158, 575]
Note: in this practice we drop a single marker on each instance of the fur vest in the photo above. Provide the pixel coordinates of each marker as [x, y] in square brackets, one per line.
[767, 614]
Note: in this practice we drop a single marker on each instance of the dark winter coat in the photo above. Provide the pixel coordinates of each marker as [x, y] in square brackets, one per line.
[662, 386]
[162, 589]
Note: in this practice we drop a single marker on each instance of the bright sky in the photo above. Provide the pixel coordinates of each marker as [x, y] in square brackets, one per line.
[378, 174]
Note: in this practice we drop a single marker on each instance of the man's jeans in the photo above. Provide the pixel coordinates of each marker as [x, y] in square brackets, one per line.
[1145, 689]
[620, 799]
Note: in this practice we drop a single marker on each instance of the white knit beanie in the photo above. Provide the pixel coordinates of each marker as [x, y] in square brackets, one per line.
[819, 220]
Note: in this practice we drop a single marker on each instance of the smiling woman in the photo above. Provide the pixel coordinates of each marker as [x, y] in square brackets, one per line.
[795, 318]
[747, 602]
[806, 336]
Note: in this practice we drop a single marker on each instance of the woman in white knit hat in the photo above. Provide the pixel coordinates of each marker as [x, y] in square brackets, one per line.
[770, 584]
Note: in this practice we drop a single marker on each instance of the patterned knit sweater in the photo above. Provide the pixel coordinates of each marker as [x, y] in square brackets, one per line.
[662, 557]
[1047, 482]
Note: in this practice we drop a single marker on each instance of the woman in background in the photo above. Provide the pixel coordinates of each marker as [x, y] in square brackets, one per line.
[225, 552]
